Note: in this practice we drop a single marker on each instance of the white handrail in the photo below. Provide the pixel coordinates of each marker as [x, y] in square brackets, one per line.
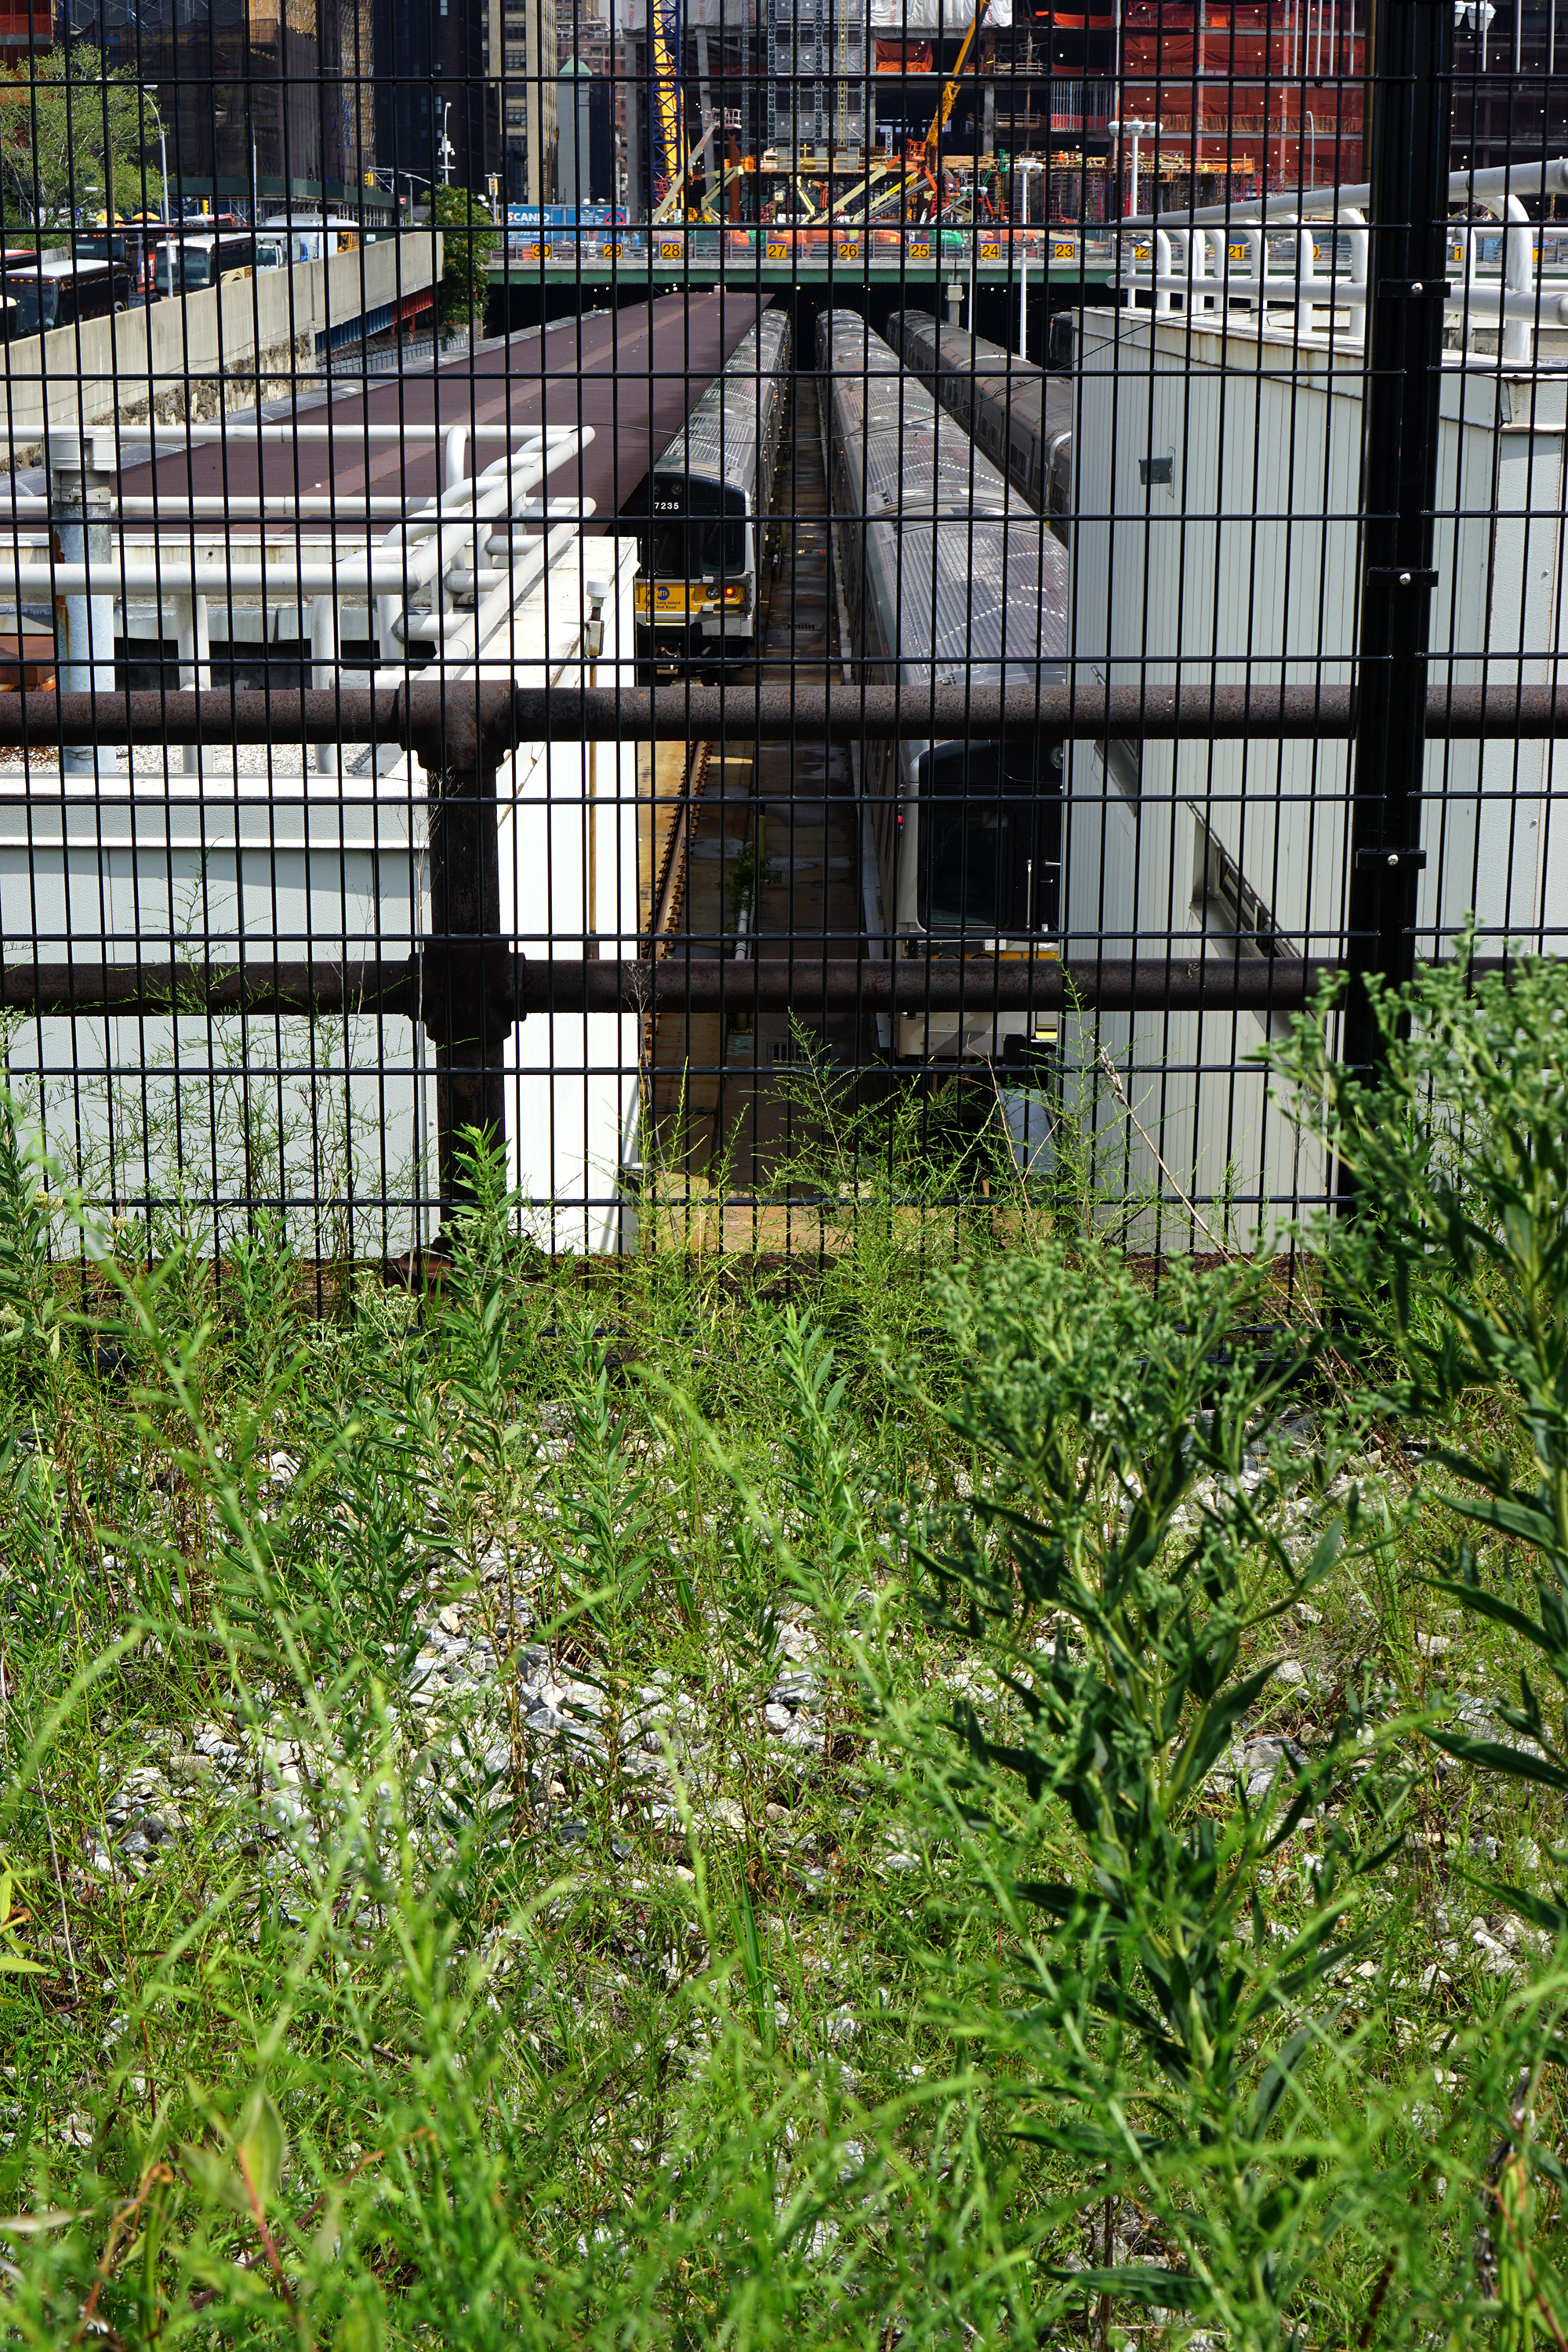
[1489, 188]
[1217, 270]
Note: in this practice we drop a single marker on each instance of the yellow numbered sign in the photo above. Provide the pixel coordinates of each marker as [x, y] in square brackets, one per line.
[848, 252]
[1060, 252]
[778, 253]
[1238, 253]
[670, 250]
[990, 253]
[919, 253]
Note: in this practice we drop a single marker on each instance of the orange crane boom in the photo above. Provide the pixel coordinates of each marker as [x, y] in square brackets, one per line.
[949, 97]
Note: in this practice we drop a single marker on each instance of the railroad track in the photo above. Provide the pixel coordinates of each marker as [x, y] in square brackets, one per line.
[779, 818]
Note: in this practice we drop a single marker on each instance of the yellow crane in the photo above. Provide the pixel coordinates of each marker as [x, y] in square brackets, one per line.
[668, 123]
[949, 99]
[924, 161]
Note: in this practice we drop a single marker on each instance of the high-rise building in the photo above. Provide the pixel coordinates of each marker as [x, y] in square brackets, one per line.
[253, 93]
[583, 37]
[1511, 95]
[435, 113]
[23, 25]
[586, 164]
[820, 109]
[522, 63]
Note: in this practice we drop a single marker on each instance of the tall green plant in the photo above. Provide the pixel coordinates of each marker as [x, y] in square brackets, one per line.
[469, 239]
[1217, 2144]
[1450, 1284]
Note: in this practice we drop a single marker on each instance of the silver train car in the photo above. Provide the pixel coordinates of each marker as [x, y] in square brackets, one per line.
[705, 530]
[948, 580]
[1019, 414]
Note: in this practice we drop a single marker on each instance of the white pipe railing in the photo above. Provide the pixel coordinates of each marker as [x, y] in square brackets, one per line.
[466, 546]
[1217, 269]
[408, 557]
[1549, 178]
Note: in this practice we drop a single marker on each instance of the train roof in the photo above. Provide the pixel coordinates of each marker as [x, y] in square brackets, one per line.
[1033, 393]
[914, 456]
[718, 443]
[967, 577]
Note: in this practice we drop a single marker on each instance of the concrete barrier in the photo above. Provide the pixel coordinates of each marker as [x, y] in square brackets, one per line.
[201, 353]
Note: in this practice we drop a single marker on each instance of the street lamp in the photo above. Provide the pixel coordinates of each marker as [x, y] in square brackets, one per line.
[163, 172]
[1134, 129]
[415, 179]
[446, 145]
[1477, 15]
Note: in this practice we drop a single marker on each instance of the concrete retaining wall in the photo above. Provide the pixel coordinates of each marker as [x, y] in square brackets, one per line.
[196, 356]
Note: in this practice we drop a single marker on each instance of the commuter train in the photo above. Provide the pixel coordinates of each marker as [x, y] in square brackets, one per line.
[705, 533]
[949, 580]
[1020, 415]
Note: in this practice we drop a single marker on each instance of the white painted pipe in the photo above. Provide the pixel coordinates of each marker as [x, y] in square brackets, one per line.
[194, 633]
[389, 566]
[324, 656]
[1517, 345]
[458, 457]
[459, 634]
[80, 482]
[281, 433]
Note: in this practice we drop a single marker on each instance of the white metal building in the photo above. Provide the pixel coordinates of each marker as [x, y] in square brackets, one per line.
[176, 855]
[1218, 486]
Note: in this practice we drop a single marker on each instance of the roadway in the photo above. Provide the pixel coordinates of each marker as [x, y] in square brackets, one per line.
[632, 374]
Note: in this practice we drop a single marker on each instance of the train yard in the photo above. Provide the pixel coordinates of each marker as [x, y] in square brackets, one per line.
[770, 857]
[900, 551]
[676, 495]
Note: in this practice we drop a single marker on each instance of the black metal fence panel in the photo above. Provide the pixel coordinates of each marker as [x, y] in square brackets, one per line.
[773, 605]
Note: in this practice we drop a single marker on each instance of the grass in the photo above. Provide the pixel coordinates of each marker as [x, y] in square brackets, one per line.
[954, 1795]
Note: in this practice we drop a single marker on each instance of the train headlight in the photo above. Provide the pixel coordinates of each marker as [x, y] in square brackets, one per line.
[735, 597]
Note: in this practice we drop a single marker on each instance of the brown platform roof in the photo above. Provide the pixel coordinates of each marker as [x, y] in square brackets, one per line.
[632, 374]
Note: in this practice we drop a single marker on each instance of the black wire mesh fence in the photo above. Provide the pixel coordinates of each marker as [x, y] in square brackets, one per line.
[779, 605]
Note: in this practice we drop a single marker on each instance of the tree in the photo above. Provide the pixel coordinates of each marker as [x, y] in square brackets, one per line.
[72, 137]
[469, 240]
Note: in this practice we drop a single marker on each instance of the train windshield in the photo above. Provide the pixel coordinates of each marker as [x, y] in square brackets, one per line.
[697, 547]
[990, 839]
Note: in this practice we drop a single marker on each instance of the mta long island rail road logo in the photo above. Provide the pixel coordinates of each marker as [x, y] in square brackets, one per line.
[668, 603]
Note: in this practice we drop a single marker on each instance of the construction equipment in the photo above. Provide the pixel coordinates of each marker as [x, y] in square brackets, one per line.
[948, 99]
[922, 162]
[666, 110]
[893, 173]
[668, 205]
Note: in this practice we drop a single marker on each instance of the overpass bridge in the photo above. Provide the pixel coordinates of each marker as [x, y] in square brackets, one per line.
[1108, 258]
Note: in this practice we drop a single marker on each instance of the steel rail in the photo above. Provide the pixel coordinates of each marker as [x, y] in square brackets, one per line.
[431, 712]
[574, 984]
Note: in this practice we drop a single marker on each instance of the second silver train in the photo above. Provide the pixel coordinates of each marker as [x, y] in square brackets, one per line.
[949, 580]
[1020, 416]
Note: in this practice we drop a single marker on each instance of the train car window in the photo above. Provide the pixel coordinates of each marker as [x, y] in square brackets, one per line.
[990, 840]
[691, 547]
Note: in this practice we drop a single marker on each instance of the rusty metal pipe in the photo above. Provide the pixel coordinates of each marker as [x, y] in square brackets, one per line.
[976, 984]
[442, 723]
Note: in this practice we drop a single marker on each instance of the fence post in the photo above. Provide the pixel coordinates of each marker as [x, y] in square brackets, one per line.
[82, 461]
[468, 994]
[1410, 52]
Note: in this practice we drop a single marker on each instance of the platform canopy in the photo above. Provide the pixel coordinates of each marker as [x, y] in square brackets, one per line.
[632, 374]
